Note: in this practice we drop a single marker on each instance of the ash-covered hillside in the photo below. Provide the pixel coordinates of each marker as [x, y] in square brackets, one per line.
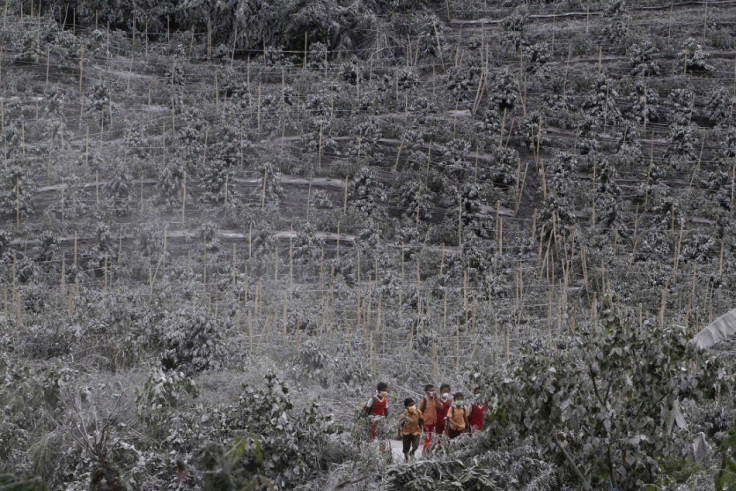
[225, 222]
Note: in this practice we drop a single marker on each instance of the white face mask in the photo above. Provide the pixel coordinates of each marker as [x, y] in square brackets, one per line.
[411, 408]
[430, 394]
[445, 395]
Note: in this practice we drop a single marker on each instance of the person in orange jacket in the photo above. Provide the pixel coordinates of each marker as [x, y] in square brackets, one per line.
[411, 428]
[429, 407]
[457, 416]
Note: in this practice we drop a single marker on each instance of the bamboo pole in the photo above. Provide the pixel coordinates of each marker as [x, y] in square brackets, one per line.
[691, 300]
[184, 198]
[457, 345]
[636, 240]
[662, 306]
[550, 299]
[345, 198]
[444, 311]
[286, 315]
[250, 333]
[499, 228]
[62, 276]
[234, 263]
[259, 107]
[263, 190]
[678, 249]
[204, 264]
[14, 284]
[250, 241]
[259, 298]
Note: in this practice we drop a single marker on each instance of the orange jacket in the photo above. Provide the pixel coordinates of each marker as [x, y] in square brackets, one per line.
[429, 408]
[411, 422]
[457, 417]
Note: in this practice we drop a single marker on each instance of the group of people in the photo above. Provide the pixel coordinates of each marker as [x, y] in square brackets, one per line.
[443, 414]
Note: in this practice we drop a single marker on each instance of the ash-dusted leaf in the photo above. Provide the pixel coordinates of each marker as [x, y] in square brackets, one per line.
[719, 330]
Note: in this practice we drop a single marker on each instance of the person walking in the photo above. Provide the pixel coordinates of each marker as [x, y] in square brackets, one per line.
[478, 409]
[457, 416]
[410, 422]
[445, 403]
[377, 407]
[429, 407]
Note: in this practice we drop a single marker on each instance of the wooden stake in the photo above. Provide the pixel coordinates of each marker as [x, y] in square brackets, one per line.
[662, 306]
[259, 107]
[457, 345]
[184, 198]
[234, 265]
[678, 249]
[263, 191]
[345, 198]
[250, 333]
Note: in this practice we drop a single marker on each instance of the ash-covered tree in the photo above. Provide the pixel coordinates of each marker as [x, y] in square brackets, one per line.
[415, 201]
[616, 21]
[601, 105]
[367, 195]
[643, 59]
[192, 340]
[693, 59]
[644, 103]
[681, 151]
[557, 215]
[607, 196]
[308, 246]
[218, 170]
[719, 108]
[118, 190]
[171, 182]
[612, 408]
[514, 27]
[269, 187]
[503, 92]
[18, 201]
[100, 103]
[283, 445]
[455, 163]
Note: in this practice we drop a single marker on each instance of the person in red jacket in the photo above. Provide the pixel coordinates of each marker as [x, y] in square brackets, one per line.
[445, 403]
[477, 410]
[377, 407]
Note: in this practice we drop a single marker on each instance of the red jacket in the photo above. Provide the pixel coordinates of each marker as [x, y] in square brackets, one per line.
[443, 408]
[477, 415]
[377, 406]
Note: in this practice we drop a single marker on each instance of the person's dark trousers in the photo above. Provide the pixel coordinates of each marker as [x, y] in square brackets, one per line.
[454, 433]
[411, 443]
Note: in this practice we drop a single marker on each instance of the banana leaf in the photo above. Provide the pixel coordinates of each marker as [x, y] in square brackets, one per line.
[717, 331]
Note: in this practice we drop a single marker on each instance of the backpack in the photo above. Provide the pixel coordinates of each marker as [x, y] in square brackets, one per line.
[368, 408]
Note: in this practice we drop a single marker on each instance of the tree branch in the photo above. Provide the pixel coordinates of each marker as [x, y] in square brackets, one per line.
[575, 469]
